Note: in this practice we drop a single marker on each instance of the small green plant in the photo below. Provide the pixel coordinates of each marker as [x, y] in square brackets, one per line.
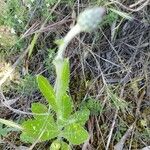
[16, 15]
[117, 102]
[67, 124]
[3, 8]
[27, 85]
[109, 18]
[93, 105]
[58, 120]
[49, 59]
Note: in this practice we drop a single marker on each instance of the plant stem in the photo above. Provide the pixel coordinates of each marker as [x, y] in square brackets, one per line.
[70, 35]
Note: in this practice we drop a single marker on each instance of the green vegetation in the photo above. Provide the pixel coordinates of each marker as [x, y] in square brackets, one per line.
[67, 125]
[93, 105]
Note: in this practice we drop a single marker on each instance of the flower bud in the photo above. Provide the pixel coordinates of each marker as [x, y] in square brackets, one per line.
[89, 19]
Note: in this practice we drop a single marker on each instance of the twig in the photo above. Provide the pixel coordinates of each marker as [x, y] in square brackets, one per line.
[133, 10]
[111, 130]
[139, 101]
[137, 3]
[49, 28]
[146, 148]
[120, 144]
[4, 103]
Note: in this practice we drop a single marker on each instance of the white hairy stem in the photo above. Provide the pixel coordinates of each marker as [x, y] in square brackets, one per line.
[70, 35]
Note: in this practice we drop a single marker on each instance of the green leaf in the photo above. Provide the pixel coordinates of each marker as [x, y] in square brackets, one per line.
[32, 44]
[26, 138]
[39, 108]
[79, 117]
[56, 145]
[59, 42]
[75, 134]
[65, 107]
[47, 91]
[65, 146]
[63, 77]
[59, 145]
[11, 124]
[93, 105]
[45, 129]
[3, 131]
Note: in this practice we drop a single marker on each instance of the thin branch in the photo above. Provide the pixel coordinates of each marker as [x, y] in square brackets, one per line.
[111, 130]
[120, 144]
[130, 9]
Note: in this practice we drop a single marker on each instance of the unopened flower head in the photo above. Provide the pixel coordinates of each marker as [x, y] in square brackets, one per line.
[89, 19]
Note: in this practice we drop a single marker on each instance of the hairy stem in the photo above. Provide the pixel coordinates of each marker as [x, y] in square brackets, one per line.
[70, 35]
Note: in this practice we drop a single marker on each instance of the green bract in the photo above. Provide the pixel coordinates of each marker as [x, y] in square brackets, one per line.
[89, 19]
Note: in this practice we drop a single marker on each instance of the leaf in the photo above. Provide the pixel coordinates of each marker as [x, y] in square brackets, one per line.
[56, 145]
[94, 106]
[122, 14]
[24, 137]
[11, 124]
[65, 107]
[45, 129]
[3, 131]
[63, 77]
[65, 146]
[47, 91]
[75, 134]
[32, 44]
[39, 108]
[80, 117]
[59, 145]
[59, 42]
